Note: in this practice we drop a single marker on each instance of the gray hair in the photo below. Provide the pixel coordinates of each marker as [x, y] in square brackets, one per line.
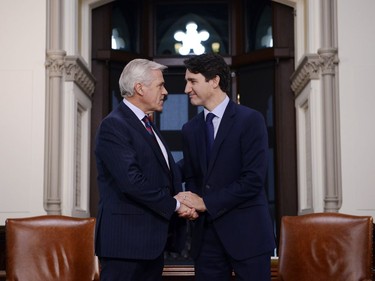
[137, 71]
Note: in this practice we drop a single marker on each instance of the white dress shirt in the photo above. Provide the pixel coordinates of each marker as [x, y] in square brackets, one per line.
[219, 112]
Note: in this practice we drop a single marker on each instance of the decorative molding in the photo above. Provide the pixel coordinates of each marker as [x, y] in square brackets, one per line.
[78, 162]
[308, 69]
[78, 150]
[323, 66]
[304, 154]
[312, 67]
[73, 68]
[55, 63]
[76, 70]
[60, 68]
[329, 59]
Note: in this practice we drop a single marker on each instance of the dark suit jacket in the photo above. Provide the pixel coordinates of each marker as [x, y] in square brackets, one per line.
[135, 187]
[232, 185]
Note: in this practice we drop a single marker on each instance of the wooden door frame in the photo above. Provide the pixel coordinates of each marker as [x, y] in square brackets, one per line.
[285, 123]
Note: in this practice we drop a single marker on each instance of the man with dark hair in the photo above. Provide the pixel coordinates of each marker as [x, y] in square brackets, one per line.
[225, 163]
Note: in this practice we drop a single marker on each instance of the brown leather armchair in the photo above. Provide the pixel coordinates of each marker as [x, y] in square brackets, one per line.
[46, 248]
[326, 247]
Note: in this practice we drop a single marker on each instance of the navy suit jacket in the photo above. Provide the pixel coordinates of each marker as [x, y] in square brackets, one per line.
[232, 184]
[135, 187]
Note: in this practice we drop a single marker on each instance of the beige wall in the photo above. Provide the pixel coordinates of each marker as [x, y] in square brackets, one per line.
[22, 98]
[357, 99]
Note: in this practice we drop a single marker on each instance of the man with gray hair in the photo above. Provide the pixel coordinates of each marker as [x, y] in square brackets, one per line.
[137, 179]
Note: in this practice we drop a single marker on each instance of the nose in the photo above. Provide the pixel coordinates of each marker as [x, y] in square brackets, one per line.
[165, 92]
[187, 88]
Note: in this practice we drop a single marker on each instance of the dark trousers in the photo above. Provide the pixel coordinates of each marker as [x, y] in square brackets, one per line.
[214, 264]
[131, 270]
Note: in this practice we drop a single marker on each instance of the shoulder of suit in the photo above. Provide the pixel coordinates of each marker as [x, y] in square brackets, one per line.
[242, 111]
[197, 118]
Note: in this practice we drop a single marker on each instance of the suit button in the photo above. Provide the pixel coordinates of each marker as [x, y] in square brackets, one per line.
[208, 186]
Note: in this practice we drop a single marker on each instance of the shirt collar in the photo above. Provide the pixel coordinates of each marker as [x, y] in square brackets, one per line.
[138, 112]
[218, 110]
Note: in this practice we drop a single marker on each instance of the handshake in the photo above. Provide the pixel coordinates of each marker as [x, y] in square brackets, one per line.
[191, 205]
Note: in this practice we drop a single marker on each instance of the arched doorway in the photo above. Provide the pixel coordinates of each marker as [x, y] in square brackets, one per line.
[258, 45]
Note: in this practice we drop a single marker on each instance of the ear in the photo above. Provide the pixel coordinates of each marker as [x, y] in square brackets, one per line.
[138, 89]
[215, 81]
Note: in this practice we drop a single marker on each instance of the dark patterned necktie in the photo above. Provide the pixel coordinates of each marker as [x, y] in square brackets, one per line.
[209, 134]
[147, 122]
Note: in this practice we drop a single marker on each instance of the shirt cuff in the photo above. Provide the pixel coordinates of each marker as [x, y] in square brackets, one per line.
[178, 205]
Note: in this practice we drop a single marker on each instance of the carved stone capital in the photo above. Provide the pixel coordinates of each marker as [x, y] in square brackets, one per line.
[76, 70]
[312, 67]
[329, 60]
[72, 68]
[55, 63]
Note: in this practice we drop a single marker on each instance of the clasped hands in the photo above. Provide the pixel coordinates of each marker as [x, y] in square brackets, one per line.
[191, 204]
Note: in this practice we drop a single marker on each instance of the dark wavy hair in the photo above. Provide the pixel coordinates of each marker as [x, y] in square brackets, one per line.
[210, 65]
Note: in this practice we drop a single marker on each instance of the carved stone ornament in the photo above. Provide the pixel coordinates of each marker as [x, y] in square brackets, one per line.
[55, 63]
[73, 68]
[329, 60]
[312, 67]
[77, 71]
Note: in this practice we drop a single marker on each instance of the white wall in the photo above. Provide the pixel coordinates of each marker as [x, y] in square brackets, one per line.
[356, 44]
[22, 98]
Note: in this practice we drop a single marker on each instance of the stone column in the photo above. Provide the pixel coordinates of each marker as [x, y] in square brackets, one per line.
[331, 126]
[54, 72]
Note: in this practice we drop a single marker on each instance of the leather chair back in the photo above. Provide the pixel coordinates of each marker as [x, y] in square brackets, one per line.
[46, 248]
[326, 246]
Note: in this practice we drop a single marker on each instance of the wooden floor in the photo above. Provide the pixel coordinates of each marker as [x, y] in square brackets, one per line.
[186, 273]
[182, 273]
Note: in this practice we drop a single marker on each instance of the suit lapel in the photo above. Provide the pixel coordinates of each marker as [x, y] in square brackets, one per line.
[200, 139]
[172, 170]
[166, 147]
[133, 121]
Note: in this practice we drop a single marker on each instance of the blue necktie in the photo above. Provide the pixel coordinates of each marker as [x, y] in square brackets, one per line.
[209, 134]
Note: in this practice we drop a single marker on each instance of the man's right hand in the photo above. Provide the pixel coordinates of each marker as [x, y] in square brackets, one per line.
[187, 213]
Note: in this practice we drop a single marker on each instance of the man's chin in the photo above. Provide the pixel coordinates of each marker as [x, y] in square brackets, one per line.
[195, 103]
